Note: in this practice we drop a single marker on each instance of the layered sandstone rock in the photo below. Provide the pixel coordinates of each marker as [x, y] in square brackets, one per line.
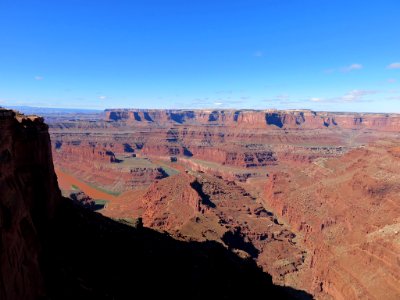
[319, 176]
[347, 210]
[84, 151]
[200, 207]
[96, 163]
[172, 203]
[258, 119]
[243, 139]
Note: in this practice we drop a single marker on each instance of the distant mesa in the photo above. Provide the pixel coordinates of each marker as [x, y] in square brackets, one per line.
[272, 119]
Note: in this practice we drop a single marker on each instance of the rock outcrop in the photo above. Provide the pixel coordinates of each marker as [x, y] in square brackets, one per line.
[170, 204]
[28, 199]
[200, 207]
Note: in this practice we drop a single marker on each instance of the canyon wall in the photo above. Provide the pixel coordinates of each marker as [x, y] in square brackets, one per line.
[315, 198]
[306, 119]
[347, 211]
[28, 198]
[217, 137]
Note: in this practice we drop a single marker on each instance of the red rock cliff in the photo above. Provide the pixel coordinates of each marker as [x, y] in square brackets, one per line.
[272, 119]
[28, 197]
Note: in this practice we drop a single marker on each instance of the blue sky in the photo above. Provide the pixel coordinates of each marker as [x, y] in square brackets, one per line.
[317, 54]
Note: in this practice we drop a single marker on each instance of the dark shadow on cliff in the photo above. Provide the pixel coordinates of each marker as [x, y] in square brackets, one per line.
[205, 199]
[89, 256]
[236, 240]
[274, 119]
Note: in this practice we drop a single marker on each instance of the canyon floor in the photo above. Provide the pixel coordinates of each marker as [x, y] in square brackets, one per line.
[312, 198]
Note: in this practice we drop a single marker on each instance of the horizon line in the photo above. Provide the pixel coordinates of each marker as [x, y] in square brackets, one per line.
[16, 107]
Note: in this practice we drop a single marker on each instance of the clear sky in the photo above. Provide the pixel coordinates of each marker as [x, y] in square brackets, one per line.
[341, 55]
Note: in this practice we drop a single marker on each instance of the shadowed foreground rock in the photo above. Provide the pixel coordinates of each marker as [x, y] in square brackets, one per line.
[91, 256]
[53, 249]
[28, 198]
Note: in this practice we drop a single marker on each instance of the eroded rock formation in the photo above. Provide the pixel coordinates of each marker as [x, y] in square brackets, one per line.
[347, 211]
[51, 248]
[306, 194]
[257, 119]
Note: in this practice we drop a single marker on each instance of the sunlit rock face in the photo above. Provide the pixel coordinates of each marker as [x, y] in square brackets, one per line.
[257, 118]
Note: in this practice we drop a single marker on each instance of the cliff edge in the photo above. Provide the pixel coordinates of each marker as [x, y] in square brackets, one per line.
[29, 195]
